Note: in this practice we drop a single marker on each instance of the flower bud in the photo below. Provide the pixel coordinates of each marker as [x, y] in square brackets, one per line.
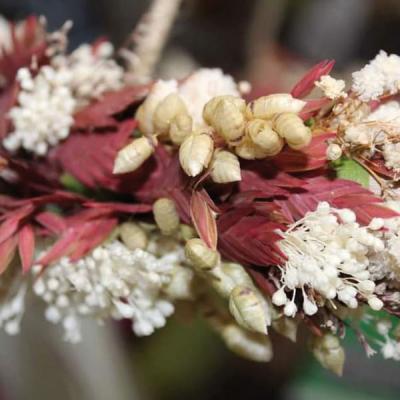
[181, 128]
[195, 153]
[250, 345]
[328, 351]
[249, 309]
[262, 135]
[132, 156]
[333, 152]
[225, 167]
[166, 215]
[133, 236]
[200, 255]
[291, 127]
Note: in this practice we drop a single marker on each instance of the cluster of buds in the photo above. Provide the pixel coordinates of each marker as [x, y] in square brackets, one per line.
[232, 129]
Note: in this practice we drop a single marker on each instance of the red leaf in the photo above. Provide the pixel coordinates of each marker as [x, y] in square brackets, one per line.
[12, 221]
[7, 252]
[99, 114]
[313, 106]
[310, 158]
[53, 222]
[306, 83]
[203, 219]
[120, 207]
[26, 246]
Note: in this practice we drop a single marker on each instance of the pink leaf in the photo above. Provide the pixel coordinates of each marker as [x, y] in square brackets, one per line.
[26, 246]
[306, 83]
[53, 222]
[203, 219]
[7, 252]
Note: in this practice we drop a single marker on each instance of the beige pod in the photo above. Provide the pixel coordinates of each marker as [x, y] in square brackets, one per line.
[328, 351]
[291, 127]
[248, 308]
[195, 152]
[262, 135]
[225, 167]
[167, 110]
[209, 108]
[133, 236]
[286, 327]
[200, 255]
[251, 345]
[181, 128]
[226, 117]
[249, 150]
[266, 107]
[166, 215]
[132, 156]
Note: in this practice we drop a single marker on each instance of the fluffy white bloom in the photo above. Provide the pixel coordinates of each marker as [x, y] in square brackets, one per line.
[381, 75]
[327, 251]
[391, 154]
[112, 281]
[13, 306]
[332, 88]
[43, 115]
[202, 86]
[386, 112]
[47, 101]
[390, 348]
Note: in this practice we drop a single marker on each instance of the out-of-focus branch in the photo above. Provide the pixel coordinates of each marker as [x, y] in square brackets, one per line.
[148, 40]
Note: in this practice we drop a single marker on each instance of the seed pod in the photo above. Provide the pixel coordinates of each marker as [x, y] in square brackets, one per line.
[187, 232]
[225, 167]
[180, 129]
[195, 153]
[200, 255]
[166, 216]
[180, 286]
[328, 351]
[266, 107]
[132, 156]
[248, 308]
[333, 152]
[226, 117]
[209, 108]
[250, 345]
[133, 236]
[249, 150]
[261, 134]
[291, 127]
[286, 327]
[167, 110]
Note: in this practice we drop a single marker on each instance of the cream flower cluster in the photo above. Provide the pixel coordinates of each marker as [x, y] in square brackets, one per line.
[112, 281]
[327, 253]
[332, 88]
[48, 100]
[380, 76]
[195, 92]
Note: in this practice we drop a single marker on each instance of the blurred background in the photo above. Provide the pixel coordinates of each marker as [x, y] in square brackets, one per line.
[269, 43]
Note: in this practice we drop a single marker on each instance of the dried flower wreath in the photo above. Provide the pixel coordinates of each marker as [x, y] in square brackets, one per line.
[124, 197]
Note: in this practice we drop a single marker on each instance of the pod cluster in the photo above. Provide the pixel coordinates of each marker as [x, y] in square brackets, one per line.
[232, 129]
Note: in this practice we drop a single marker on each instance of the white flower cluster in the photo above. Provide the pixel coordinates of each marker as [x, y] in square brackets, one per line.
[390, 348]
[332, 88]
[380, 76]
[112, 281]
[195, 91]
[327, 253]
[43, 115]
[48, 100]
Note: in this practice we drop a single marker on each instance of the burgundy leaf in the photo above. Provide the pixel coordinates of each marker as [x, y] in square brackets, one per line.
[11, 224]
[26, 246]
[203, 219]
[306, 83]
[51, 221]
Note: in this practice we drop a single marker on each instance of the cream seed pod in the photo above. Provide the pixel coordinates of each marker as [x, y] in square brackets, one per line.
[167, 111]
[248, 309]
[291, 127]
[200, 255]
[181, 128]
[133, 236]
[251, 345]
[286, 327]
[227, 118]
[132, 156]
[333, 152]
[262, 135]
[166, 215]
[195, 152]
[266, 107]
[209, 108]
[225, 167]
[187, 232]
[328, 351]
[250, 151]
